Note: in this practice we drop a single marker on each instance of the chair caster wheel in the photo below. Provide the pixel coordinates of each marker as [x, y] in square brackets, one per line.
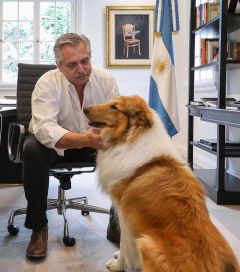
[13, 230]
[69, 241]
[85, 213]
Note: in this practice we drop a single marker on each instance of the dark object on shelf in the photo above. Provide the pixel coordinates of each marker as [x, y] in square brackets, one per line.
[213, 142]
[232, 5]
[213, 102]
[214, 147]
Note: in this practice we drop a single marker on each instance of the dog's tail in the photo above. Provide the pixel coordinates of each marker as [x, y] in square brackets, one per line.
[156, 256]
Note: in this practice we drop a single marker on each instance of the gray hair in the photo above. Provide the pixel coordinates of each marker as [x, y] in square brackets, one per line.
[71, 39]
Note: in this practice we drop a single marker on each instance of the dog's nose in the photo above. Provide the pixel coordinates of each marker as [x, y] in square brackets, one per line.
[86, 110]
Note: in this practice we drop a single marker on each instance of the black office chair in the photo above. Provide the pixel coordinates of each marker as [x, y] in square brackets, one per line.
[28, 74]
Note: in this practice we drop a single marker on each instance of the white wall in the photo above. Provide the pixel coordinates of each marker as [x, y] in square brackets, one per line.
[130, 80]
[136, 80]
[92, 18]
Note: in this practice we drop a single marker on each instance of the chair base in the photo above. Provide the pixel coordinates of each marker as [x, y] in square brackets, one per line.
[61, 204]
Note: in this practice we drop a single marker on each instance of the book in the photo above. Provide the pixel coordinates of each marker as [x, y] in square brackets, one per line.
[213, 10]
[209, 50]
[234, 49]
[196, 103]
[206, 12]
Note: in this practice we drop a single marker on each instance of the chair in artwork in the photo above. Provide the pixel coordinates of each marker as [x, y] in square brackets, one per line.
[28, 74]
[129, 37]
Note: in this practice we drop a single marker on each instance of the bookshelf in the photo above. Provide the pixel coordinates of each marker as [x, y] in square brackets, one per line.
[221, 186]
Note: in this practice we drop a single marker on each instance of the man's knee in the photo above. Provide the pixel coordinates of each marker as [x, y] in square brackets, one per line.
[32, 150]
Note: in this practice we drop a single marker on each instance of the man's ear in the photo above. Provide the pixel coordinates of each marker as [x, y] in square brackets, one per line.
[59, 66]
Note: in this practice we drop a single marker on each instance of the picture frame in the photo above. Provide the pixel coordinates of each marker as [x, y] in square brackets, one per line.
[129, 37]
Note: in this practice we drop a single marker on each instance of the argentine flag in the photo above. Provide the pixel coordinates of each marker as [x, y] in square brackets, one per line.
[163, 91]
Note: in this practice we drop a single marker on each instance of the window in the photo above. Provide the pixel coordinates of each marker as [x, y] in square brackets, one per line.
[28, 31]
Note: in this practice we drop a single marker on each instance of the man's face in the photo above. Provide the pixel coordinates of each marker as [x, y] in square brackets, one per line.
[76, 64]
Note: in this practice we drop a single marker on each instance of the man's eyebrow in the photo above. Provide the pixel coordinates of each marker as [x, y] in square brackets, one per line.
[72, 62]
[75, 62]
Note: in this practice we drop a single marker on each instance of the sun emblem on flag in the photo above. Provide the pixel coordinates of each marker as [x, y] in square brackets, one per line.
[161, 65]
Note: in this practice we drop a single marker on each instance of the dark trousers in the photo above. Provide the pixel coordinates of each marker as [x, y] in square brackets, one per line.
[38, 159]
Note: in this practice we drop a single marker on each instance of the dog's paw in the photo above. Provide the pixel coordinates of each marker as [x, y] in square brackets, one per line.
[116, 254]
[114, 265]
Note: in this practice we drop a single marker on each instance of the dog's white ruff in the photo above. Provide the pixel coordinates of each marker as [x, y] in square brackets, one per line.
[121, 161]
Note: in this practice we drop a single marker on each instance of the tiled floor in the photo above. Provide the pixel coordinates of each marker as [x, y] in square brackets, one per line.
[92, 249]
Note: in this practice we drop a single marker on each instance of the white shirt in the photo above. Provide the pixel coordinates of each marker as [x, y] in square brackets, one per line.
[56, 108]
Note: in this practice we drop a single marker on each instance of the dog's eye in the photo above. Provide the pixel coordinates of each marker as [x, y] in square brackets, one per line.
[114, 107]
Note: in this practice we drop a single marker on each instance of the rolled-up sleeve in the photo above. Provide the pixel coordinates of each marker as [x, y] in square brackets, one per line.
[45, 109]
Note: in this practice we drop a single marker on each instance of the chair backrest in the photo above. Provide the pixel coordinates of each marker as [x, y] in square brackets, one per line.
[28, 75]
[128, 31]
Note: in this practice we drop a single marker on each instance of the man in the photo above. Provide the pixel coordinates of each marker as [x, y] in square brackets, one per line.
[59, 129]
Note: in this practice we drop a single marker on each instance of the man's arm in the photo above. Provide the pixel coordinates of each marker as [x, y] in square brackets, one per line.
[45, 109]
[90, 138]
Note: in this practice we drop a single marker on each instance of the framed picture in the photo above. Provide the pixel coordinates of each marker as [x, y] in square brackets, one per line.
[129, 36]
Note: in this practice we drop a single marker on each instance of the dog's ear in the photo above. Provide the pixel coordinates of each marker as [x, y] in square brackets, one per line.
[142, 118]
[139, 122]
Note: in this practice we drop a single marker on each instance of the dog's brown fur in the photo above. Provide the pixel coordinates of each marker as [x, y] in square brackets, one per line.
[170, 219]
[162, 202]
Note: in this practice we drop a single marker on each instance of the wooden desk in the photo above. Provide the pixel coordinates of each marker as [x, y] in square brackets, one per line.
[9, 172]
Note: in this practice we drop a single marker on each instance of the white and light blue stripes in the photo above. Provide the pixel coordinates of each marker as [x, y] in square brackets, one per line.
[163, 91]
[160, 11]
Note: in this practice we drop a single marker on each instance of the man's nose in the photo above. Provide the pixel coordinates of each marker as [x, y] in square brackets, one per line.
[80, 67]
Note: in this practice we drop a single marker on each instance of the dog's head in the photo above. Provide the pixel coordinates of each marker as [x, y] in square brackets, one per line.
[123, 119]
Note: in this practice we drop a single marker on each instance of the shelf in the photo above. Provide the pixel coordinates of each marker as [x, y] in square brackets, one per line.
[212, 27]
[209, 28]
[224, 27]
[204, 66]
[220, 116]
[194, 110]
[225, 117]
[231, 63]
[231, 195]
[230, 153]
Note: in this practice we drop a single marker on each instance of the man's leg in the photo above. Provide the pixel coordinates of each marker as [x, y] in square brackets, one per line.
[113, 230]
[37, 160]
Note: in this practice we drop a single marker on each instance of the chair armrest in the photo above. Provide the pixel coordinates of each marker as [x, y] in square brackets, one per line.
[16, 135]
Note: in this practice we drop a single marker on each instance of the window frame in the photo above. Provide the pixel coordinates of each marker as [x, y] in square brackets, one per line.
[11, 85]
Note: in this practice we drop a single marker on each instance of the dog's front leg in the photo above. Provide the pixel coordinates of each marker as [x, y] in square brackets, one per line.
[128, 256]
[117, 264]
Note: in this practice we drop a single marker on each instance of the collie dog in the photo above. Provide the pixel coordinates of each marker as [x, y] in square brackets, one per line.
[164, 221]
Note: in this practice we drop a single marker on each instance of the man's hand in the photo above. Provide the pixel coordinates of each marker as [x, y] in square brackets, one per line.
[89, 138]
[94, 138]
